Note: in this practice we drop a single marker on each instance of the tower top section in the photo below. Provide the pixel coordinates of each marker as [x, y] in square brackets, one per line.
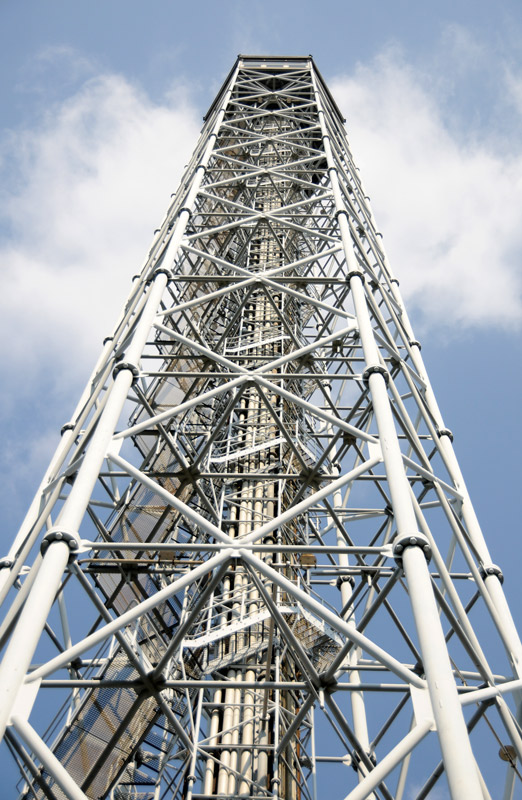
[274, 65]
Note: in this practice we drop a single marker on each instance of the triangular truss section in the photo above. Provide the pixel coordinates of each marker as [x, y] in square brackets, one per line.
[252, 568]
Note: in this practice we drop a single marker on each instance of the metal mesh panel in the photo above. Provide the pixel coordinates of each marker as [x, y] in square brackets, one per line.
[99, 722]
[294, 408]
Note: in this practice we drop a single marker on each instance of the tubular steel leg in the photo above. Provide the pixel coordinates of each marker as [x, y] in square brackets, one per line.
[462, 774]
[287, 521]
[29, 628]
[394, 757]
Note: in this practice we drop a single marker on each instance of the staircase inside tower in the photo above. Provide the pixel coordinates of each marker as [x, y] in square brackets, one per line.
[238, 469]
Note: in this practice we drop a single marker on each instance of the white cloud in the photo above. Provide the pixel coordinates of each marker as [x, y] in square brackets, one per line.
[449, 209]
[87, 188]
[83, 192]
[89, 185]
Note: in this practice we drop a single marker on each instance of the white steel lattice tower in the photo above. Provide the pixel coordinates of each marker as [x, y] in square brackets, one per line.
[252, 568]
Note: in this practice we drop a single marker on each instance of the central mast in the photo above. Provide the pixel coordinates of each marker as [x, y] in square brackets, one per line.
[245, 729]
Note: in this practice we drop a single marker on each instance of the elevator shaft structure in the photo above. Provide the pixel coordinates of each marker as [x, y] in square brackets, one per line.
[252, 568]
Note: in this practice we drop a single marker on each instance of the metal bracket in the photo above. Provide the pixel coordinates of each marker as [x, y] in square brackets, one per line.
[163, 270]
[25, 700]
[445, 432]
[378, 369]
[354, 272]
[416, 539]
[158, 271]
[491, 569]
[375, 451]
[422, 707]
[126, 365]
[345, 579]
[71, 538]
[114, 447]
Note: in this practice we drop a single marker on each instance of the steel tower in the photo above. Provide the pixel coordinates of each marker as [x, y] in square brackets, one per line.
[252, 568]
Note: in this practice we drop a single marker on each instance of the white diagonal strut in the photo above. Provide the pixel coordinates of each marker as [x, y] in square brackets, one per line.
[253, 559]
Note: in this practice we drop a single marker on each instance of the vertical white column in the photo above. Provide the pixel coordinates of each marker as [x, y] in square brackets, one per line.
[456, 750]
[493, 576]
[32, 619]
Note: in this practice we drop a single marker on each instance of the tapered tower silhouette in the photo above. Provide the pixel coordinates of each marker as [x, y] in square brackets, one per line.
[253, 568]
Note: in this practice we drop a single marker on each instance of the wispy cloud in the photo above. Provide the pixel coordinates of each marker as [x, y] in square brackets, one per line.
[84, 189]
[449, 207]
[82, 193]
[87, 189]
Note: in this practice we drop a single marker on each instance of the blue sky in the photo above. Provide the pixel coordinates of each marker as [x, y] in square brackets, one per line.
[102, 103]
[101, 106]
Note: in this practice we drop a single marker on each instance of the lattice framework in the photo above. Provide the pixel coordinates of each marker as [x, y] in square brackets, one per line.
[253, 560]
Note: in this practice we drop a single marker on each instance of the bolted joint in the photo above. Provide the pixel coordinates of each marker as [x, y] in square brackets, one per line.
[377, 369]
[491, 569]
[126, 365]
[162, 271]
[6, 563]
[354, 272]
[416, 539]
[71, 539]
[158, 681]
[69, 426]
[357, 758]
[189, 212]
[159, 271]
[345, 579]
[445, 432]
[328, 686]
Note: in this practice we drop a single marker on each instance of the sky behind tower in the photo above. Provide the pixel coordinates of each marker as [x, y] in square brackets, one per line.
[101, 106]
